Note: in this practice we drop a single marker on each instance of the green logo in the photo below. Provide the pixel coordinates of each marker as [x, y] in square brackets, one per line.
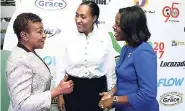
[116, 46]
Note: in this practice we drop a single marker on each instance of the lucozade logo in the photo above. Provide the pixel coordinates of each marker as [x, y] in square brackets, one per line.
[141, 3]
[173, 64]
[51, 4]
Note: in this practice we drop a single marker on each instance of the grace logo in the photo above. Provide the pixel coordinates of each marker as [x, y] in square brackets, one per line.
[51, 4]
[171, 98]
[141, 3]
[51, 31]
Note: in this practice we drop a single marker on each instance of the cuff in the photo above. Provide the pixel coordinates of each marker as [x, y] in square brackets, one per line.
[48, 101]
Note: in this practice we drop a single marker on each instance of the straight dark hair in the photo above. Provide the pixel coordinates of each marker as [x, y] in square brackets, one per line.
[133, 23]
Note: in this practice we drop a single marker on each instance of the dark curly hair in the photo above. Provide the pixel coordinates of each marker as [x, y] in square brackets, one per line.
[22, 21]
[133, 23]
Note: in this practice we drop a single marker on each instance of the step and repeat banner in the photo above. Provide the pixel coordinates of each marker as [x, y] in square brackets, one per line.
[166, 21]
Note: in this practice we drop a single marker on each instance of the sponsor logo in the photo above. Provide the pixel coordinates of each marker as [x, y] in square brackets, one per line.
[172, 64]
[51, 31]
[50, 60]
[171, 98]
[142, 4]
[149, 11]
[100, 22]
[51, 4]
[99, 2]
[158, 48]
[54, 100]
[171, 13]
[170, 82]
[115, 44]
[178, 43]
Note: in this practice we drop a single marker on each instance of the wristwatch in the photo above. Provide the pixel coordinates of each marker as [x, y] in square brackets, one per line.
[114, 101]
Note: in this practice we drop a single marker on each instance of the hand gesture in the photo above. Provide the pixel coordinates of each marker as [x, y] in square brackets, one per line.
[105, 95]
[65, 86]
[106, 103]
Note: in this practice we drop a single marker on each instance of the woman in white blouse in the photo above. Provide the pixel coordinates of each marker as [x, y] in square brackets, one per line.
[28, 77]
[86, 55]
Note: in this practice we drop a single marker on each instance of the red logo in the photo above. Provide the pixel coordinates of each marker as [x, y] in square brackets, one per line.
[171, 12]
[159, 48]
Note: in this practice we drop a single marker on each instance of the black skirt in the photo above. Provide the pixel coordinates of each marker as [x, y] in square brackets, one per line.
[85, 95]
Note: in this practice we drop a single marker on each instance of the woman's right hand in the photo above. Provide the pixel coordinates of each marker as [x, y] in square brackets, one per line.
[65, 87]
[61, 103]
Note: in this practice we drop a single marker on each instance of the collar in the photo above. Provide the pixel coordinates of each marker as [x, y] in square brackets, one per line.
[23, 47]
[94, 32]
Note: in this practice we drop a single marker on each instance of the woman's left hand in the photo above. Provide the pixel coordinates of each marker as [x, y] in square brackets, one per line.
[106, 103]
[105, 95]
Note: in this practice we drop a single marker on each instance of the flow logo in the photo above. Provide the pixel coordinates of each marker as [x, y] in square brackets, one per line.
[51, 31]
[170, 82]
[171, 98]
[51, 4]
